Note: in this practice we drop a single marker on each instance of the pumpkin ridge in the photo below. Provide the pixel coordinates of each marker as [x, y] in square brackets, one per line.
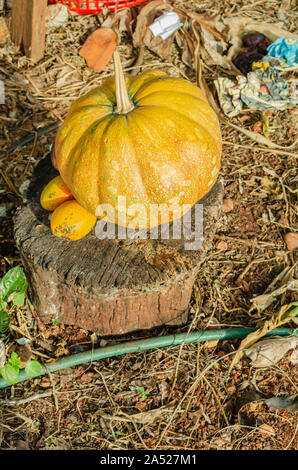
[69, 165]
[131, 88]
[171, 79]
[133, 157]
[155, 79]
[142, 170]
[139, 103]
[185, 117]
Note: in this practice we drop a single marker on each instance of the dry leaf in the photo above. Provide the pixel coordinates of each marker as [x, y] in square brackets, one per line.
[99, 48]
[215, 48]
[283, 403]
[66, 76]
[144, 37]
[261, 302]
[187, 47]
[120, 21]
[269, 185]
[145, 417]
[285, 314]
[201, 82]
[270, 351]
[266, 429]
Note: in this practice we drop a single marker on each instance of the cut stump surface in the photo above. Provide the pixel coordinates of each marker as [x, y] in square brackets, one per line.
[109, 286]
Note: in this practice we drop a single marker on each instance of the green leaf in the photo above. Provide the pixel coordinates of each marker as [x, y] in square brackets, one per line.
[33, 368]
[13, 281]
[10, 374]
[19, 299]
[4, 321]
[14, 360]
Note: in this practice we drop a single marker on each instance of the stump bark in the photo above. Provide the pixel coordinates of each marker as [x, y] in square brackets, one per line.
[108, 286]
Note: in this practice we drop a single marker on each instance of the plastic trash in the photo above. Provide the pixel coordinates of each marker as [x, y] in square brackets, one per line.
[255, 48]
[260, 89]
[286, 49]
[165, 25]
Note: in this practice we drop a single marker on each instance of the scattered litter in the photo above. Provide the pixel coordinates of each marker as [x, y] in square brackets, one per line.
[229, 96]
[143, 36]
[263, 90]
[255, 47]
[260, 90]
[165, 25]
[270, 351]
[262, 64]
[238, 26]
[285, 49]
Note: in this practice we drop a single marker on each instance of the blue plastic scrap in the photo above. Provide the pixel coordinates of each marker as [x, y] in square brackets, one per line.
[286, 49]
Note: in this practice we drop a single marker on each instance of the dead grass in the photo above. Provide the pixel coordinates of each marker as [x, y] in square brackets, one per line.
[192, 399]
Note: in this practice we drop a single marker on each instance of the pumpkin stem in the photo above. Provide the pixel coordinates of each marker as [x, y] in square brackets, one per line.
[124, 105]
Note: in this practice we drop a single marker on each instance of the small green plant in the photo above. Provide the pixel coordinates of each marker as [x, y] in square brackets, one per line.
[117, 433]
[54, 321]
[143, 393]
[13, 288]
[10, 371]
[51, 443]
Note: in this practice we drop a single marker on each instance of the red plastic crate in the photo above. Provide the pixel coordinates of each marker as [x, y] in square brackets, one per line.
[96, 6]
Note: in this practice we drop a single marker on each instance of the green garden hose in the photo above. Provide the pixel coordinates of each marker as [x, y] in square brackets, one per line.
[145, 344]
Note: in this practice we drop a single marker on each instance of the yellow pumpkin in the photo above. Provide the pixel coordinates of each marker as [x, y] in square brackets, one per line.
[149, 140]
[55, 193]
[71, 221]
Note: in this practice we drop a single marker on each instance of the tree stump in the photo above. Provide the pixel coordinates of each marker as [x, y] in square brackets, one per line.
[108, 286]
